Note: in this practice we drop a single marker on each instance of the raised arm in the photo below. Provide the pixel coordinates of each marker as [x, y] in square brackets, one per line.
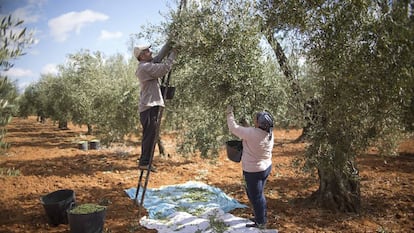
[163, 52]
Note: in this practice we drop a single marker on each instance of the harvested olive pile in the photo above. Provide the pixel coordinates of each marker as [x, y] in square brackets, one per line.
[87, 209]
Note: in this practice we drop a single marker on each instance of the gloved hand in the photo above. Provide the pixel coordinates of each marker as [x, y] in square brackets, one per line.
[176, 44]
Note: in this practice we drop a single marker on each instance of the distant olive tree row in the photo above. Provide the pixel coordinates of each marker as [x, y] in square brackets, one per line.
[89, 89]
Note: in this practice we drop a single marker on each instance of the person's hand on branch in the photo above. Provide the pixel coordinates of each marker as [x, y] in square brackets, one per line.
[229, 109]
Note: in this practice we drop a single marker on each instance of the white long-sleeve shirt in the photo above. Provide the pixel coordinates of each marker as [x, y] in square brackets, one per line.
[149, 74]
[257, 148]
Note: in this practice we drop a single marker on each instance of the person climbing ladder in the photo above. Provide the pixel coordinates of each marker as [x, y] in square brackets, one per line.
[149, 72]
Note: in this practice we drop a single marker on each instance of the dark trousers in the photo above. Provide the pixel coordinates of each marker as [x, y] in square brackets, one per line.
[149, 123]
[255, 183]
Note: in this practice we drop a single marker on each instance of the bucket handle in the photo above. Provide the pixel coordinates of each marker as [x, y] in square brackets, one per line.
[72, 205]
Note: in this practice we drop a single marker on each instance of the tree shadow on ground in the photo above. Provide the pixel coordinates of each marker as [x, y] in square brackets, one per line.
[86, 164]
[402, 163]
[55, 139]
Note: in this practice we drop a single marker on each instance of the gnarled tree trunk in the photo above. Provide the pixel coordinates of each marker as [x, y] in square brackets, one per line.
[338, 191]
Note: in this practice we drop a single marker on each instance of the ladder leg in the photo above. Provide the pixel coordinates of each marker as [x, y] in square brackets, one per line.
[138, 187]
[144, 190]
[157, 132]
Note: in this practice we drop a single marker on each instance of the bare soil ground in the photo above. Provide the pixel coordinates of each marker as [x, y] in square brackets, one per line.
[43, 159]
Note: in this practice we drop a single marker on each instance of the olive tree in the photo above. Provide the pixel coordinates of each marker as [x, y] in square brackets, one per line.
[364, 52]
[8, 94]
[13, 40]
[361, 51]
[82, 74]
[220, 62]
[56, 98]
[31, 102]
[116, 101]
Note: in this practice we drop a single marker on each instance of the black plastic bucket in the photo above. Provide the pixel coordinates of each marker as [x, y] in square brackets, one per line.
[234, 150]
[94, 144]
[83, 145]
[56, 204]
[170, 92]
[87, 223]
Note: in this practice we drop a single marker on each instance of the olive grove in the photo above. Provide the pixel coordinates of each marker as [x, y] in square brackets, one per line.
[354, 58]
[358, 69]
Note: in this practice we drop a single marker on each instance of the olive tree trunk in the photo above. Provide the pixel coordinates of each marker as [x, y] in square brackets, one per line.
[63, 125]
[90, 129]
[338, 191]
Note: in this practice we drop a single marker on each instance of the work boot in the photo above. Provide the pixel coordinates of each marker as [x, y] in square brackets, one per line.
[256, 225]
